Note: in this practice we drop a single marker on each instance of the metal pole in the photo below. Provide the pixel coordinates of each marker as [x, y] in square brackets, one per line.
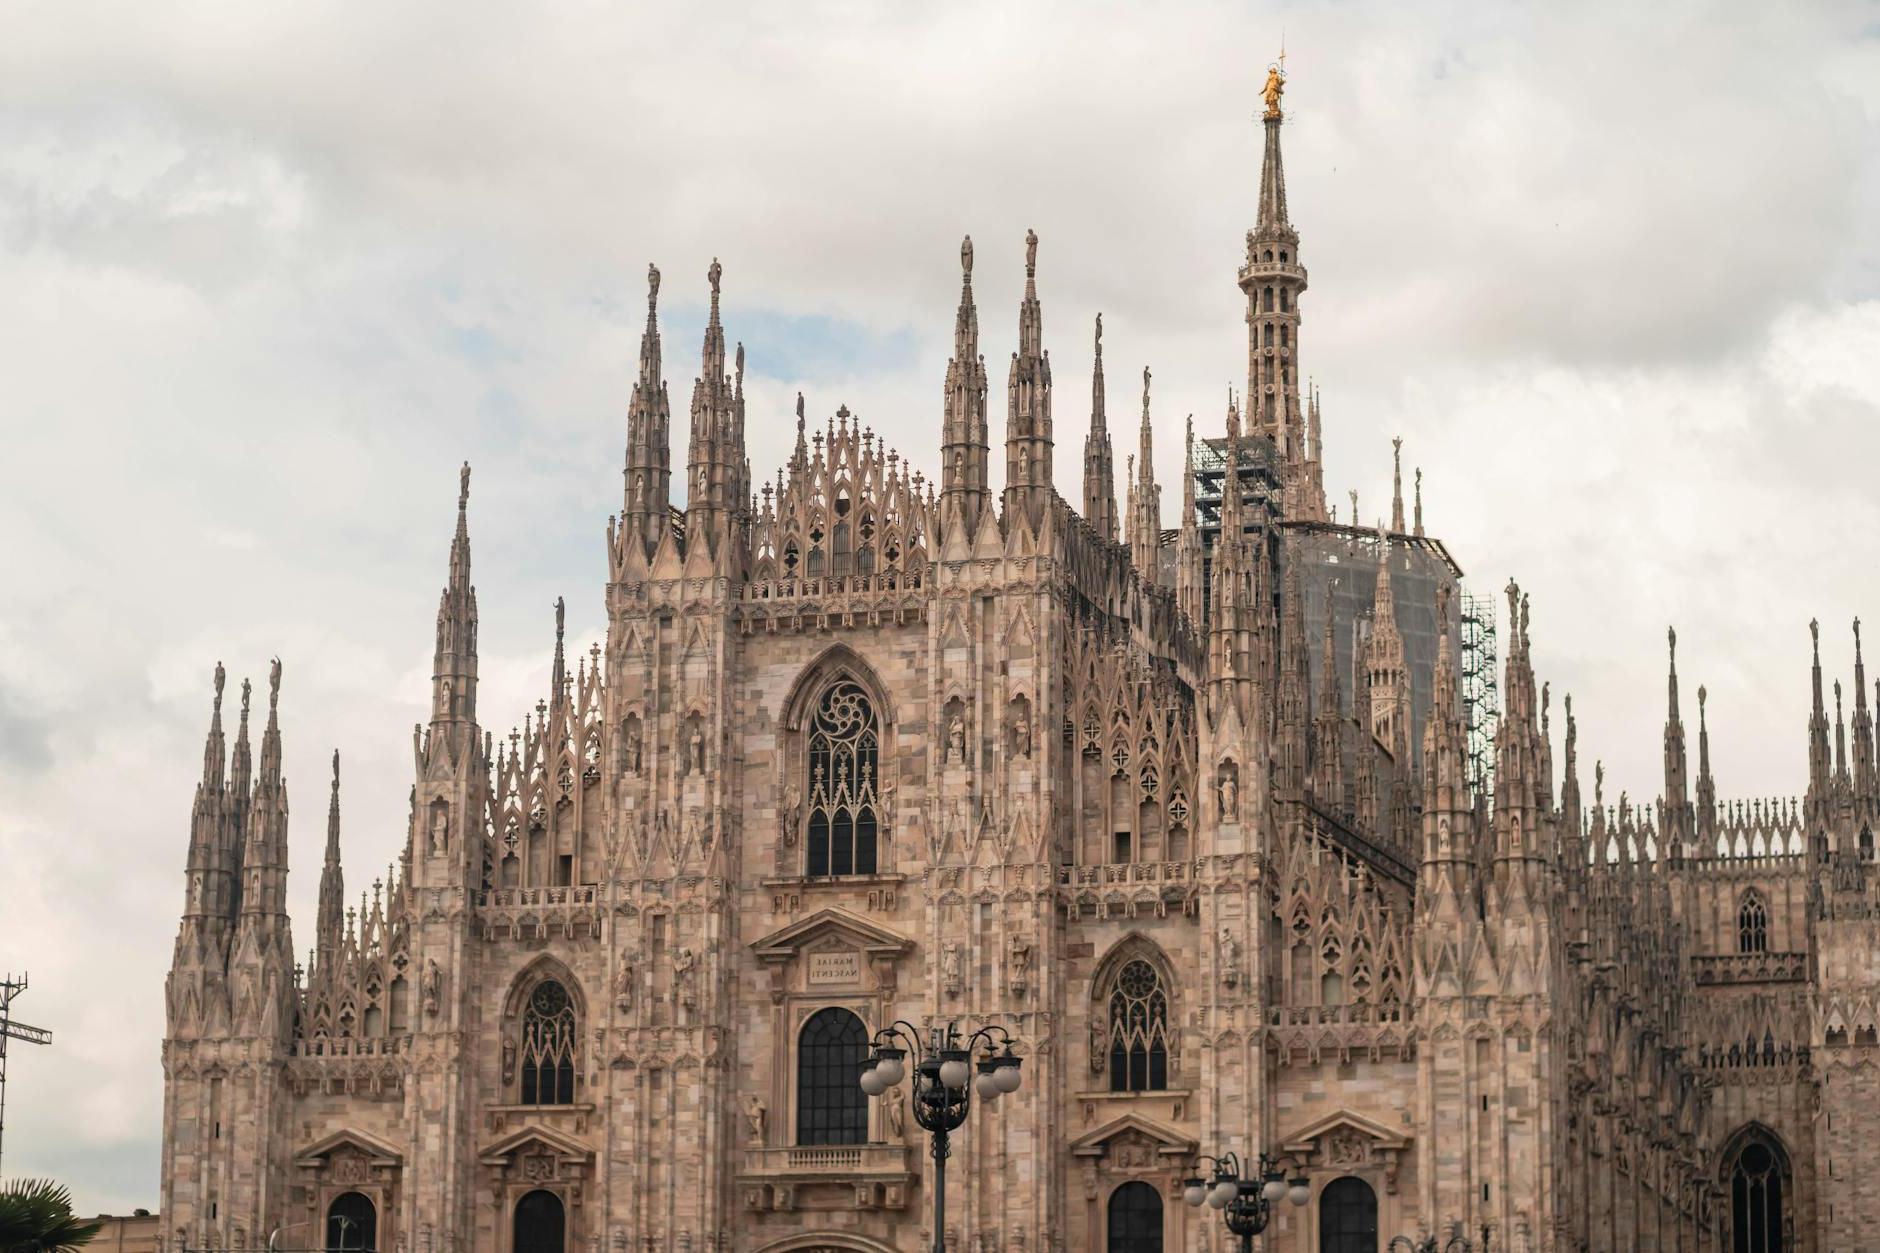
[939, 1190]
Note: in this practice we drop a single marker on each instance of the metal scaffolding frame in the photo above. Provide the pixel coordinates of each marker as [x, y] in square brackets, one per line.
[1481, 694]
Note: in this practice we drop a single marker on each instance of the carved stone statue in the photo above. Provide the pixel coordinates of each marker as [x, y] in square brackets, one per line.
[1019, 965]
[698, 751]
[682, 963]
[635, 748]
[757, 1114]
[956, 742]
[623, 982]
[950, 966]
[1021, 735]
[509, 1061]
[1230, 958]
[1230, 797]
[431, 986]
[894, 1115]
[791, 816]
[440, 829]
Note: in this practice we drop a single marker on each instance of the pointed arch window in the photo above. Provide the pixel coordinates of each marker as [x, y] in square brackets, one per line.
[1752, 924]
[843, 760]
[1138, 1029]
[1758, 1198]
[547, 1048]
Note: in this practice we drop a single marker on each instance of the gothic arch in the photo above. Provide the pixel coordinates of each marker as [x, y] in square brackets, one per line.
[1757, 1174]
[835, 662]
[1752, 921]
[831, 1242]
[544, 967]
[1135, 1017]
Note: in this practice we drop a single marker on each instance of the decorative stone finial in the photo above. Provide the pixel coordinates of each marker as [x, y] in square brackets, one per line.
[221, 677]
[463, 488]
[1031, 254]
[1100, 353]
[966, 258]
[274, 683]
[652, 287]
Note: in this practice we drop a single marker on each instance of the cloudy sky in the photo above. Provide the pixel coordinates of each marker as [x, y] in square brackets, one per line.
[268, 273]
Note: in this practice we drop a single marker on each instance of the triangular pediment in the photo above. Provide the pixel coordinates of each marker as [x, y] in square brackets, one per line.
[832, 922]
[1303, 1140]
[517, 1142]
[1167, 1141]
[377, 1151]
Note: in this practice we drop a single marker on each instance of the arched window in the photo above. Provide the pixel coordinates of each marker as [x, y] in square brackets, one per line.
[1135, 1219]
[1138, 1030]
[1752, 925]
[541, 1223]
[831, 1107]
[549, 1034]
[1348, 1217]
[1758, 1194]
[352, 1223]
[844, 744]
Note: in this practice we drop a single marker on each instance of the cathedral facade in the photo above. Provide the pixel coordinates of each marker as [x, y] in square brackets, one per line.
[863, 746]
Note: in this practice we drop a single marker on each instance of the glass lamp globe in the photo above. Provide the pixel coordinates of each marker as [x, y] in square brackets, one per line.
[1007, 1076]
[987, 1086]
[891, 1068]
[1222, 1193]
[1195, 1194]
[1299, 1193]
[954, 1072]
[872, 1082]
[1274, 1190]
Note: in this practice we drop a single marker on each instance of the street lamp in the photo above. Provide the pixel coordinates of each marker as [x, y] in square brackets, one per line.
[1247, 1203]
[944, 1085]
[1458, 1242]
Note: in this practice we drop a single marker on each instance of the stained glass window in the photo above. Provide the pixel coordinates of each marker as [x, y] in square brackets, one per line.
[1138, 1030]
[844, 744]
[831, 1107]
[548, 1042]
[1752, 925]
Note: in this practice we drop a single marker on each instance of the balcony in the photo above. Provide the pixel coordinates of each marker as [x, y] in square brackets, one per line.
[1710, 969]
[826, 1177]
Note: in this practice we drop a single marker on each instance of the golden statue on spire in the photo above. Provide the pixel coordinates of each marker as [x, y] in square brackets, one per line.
[1275, 86]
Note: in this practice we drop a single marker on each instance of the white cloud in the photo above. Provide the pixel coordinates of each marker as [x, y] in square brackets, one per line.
[269, 273]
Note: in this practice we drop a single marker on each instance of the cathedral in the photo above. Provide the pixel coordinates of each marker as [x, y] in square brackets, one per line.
[1205, 820]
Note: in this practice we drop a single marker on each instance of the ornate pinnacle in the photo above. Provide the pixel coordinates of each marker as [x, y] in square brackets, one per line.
[966, 258]
[221, 677]
[1031, 254]
[652, 289]
[274, 684]
[463, 488]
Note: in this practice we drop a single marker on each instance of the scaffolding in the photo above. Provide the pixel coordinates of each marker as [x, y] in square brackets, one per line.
[1481, 697]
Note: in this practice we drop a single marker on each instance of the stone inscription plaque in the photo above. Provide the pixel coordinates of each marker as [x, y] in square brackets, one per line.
[837, 967]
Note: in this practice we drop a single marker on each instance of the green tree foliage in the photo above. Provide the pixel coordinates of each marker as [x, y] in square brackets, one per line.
[36, 1217]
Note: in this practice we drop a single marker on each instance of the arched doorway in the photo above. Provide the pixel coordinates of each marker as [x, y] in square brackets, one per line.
[541, 1223]
[1758, 1176]
[1348, 1217]
[352, 1224]
[1135, 1219]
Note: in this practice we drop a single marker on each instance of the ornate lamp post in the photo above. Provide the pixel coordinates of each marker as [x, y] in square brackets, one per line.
[1458, 1242]
[943, 1085]
[1247, 1204]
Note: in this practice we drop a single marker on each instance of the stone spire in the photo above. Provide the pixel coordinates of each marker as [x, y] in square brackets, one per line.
[1572, 845]
[209, 889]
[1028, 407]
[1396, 485]
[1190, 589]
[1819, 783]
[1145, 518]
[1418, 524]
[1293, 711]
[558, 679]
[331, 916]
[1099, 467]
[649, 436]
[718, 473]
[261, 961]
[964, 440]
[1272, 280]
[1679, 830]
[1706, 786]
[1328, 773]
[1386, 672]
[454, 661]
[241, 774]
[1447, 808]
[1865, 797]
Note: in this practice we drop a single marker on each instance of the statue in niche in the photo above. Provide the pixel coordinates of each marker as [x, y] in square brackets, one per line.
[956, 741]
[791, 816]
[623, 982]
[682, 963]
[1019, 951]
[756, 1114]
[698, 751]
[431, 986]
[1021, 733]
[1229, 790]
[1230, 958]
[440, 829]
[950, 966]
[509, 1061]
[635, 746]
